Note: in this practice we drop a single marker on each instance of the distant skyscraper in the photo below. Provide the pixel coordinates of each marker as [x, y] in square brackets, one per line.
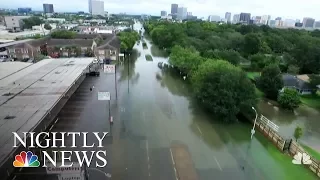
[308, 22]
[48, 8]
[163, 13]
[265, 19]
[236, 18]
[298, 21]
[24, 10]
[174, 9]
[214, 18]
[189, 13]
[182, 13]
[90, 6]
[289, 23]
[317, 25]
[97, 7]
[245, 17]
[272, 23]
[227, 17]
[278, 18]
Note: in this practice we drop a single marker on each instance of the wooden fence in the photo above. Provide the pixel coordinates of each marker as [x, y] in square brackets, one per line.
[271, 134]
[295, 148]
[280, 142]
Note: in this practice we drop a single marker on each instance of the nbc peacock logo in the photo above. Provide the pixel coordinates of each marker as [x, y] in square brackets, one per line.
[26, 159]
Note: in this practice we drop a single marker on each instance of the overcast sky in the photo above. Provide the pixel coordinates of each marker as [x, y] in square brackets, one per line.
[294, 9]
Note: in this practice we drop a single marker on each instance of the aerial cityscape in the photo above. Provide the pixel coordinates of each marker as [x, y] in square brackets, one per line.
[137, 90]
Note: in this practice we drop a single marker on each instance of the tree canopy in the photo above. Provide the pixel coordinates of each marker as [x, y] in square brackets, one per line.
[289, 99]
[223, 88]
[31, 21]
[270, 81]
[63, 34]
[47, 26]
[128, 39]
[295, 47]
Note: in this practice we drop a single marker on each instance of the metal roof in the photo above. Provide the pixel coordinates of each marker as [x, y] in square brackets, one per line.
[14, 43]
[29, 94]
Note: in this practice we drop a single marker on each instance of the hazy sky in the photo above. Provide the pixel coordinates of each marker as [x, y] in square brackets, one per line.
[202, 8]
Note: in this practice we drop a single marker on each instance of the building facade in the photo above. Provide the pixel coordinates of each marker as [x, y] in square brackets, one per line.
[24, 10]
[236, 18]
[182, 13]
[174, 9]
[97, 7]
[90, 7]
[290, 23]
[48, 8]
[214, 18]
[308, 22]
[14, 23]
[163, 13]
[227, 17]
[317, 24]
[245, 18]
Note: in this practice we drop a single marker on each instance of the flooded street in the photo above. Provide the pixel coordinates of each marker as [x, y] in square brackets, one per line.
[154, 111]
[304, 116]
[157, 111]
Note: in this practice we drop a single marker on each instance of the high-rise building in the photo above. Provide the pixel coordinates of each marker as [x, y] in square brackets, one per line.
[97, 7]
[289, 23]
[48, 8]
[272, 23]
[308, 22]
[90, 6]
[174, 9]
[189, 13]
[182, 13]
[256, 19]
[317, 24]
[245, 18]
[214, 18]
[24, 10]
[265, 19]
[298, 21]
[278, 18]
[236, 18]
[163, 13]
[227, 17]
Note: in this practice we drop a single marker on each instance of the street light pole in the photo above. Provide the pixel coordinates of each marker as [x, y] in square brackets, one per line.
[254, 124]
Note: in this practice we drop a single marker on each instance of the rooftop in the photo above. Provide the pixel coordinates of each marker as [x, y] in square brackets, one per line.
[29, 93]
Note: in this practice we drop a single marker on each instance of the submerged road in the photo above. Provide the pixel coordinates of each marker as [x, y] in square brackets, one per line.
[154, 111]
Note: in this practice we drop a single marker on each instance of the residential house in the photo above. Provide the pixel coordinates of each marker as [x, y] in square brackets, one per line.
[109, 49]
[300, 83]
[102, 45]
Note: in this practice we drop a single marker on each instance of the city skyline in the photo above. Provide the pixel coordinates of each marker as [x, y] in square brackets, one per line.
[201, 8]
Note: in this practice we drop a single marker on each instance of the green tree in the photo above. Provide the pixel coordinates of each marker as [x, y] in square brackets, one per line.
[314, 82]
[258, 61]
[289, 99]
[32, 21]
[270, 81]
[223, 89]
[47, 26]
[252, 44]
[229, 55]
[292, 69]
[128, 40]
[63, 34]
[186, 60]
[298, 132]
